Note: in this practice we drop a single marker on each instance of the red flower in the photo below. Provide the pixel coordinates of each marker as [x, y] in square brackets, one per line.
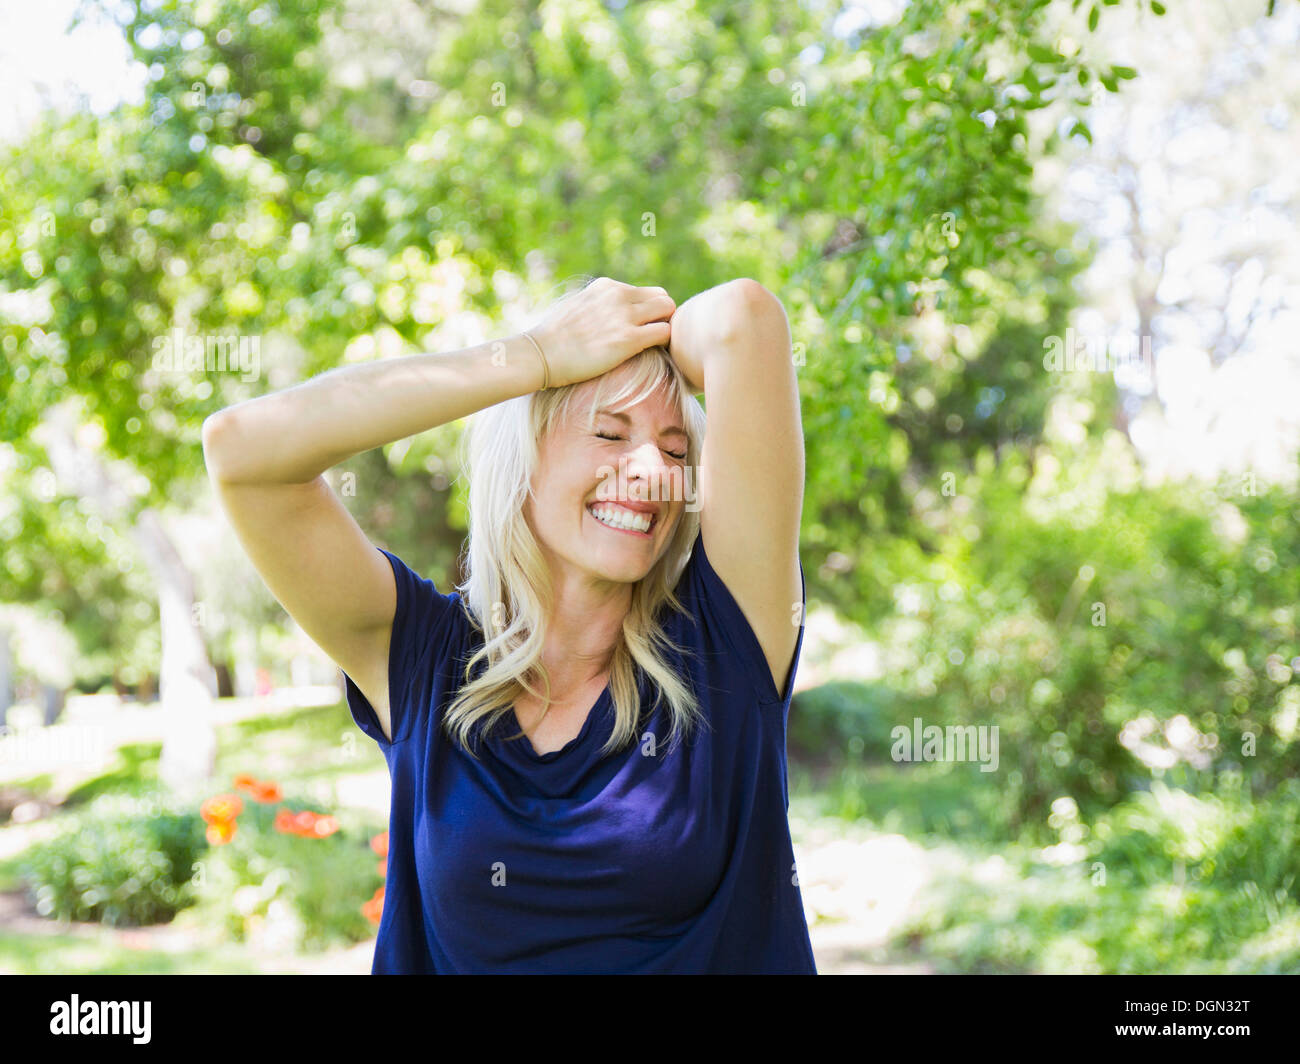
[222, 808]
[265, 791]
[374, 908]
[307, 824]
[222, 831]
[324, 825]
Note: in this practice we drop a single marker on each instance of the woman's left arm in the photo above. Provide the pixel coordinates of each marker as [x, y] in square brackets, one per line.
[733, 343]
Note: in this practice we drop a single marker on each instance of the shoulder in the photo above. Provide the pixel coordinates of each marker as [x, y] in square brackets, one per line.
[427, 631]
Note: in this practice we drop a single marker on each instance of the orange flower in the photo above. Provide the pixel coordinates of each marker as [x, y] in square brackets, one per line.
[243, 780]
[221, 831]
[379, 843]
[223, 807]
[382, 868]
[265, 791]
[324, 825]
[307, 824]
[374, 908]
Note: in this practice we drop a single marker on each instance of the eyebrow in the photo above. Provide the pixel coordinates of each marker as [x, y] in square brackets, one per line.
[671, 430]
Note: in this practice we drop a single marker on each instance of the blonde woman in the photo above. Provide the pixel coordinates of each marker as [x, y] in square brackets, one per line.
[586, 740]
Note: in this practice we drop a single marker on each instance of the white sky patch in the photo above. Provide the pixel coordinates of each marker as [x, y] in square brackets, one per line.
[42, 65]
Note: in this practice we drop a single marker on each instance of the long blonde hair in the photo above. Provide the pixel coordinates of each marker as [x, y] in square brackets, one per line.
[507, 589]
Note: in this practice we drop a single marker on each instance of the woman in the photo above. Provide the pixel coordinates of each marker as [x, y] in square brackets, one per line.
[586, 741]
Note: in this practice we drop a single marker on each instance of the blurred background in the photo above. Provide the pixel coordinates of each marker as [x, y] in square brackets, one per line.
[1041, 266]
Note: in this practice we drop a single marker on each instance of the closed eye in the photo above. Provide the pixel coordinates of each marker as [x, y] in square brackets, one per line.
[671, 454]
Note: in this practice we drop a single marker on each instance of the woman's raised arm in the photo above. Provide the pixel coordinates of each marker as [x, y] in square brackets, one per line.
[733, 343]
[265, 458]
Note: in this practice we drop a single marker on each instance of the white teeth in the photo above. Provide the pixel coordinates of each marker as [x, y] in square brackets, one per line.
[616, 517]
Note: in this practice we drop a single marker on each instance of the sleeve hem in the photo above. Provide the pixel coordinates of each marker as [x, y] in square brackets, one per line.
[363, 713]
[742, 639]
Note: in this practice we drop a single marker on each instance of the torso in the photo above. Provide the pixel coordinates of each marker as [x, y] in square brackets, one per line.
[563, 721]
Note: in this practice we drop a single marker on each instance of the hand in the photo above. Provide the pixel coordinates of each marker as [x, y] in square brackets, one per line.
[606, 323]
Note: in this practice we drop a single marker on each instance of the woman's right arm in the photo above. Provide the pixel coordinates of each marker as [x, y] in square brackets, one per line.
[265, 459]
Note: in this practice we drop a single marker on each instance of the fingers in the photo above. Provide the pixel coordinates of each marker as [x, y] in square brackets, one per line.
[654, 333]
[646, 292]
[630, 294]
[652, 304]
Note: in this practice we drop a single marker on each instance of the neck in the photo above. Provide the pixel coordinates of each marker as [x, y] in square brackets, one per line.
[584, 627]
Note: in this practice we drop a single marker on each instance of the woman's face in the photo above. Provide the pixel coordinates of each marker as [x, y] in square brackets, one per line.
[607, 496]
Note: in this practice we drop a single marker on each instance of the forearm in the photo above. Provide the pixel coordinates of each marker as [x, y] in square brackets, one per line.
[294, 435]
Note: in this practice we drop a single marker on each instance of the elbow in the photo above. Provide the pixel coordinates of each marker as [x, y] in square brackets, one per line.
[748, 305]
[748, 296]
[753, 319]
[218, 432]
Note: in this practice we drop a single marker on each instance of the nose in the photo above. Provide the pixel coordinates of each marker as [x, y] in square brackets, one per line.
[648, 473]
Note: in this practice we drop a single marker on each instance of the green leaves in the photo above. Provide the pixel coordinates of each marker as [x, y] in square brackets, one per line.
[882, 189]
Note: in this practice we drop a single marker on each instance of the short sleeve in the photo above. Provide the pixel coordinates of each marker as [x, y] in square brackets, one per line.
[422, 622]
[722, 618]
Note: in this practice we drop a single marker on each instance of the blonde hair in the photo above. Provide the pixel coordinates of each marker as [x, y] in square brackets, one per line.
[507, 589]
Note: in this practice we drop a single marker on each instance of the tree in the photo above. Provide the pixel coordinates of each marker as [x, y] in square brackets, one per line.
[263, 215]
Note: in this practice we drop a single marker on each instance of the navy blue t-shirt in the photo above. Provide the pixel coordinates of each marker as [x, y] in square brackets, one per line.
[642, 861]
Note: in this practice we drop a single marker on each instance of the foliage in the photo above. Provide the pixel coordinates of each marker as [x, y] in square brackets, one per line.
[117, 864]
[129, 860]
[1167, 883]
[257, 194]
[302, 894]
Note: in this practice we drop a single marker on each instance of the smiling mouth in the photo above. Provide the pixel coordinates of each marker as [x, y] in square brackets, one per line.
[618, 519]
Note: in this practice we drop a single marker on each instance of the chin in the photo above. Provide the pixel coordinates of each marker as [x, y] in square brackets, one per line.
[629, 570]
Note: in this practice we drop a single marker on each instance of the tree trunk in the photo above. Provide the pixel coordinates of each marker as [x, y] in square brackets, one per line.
[53, 699]
[186, 679]
[245, 664]
[6, 673]
[187, 683]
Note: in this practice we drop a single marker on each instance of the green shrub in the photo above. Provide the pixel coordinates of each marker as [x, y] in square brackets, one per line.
[842, 718]
[124, 862]
[1192, 884]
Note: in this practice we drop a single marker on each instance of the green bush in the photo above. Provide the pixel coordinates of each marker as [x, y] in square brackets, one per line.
[1115, 637]
[1223, 839]
[1191, 884]
[842, 718]
[123, 862]
[128, 861]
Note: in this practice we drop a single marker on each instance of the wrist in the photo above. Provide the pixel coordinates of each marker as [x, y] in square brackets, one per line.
[684, 344]
[529, 336]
